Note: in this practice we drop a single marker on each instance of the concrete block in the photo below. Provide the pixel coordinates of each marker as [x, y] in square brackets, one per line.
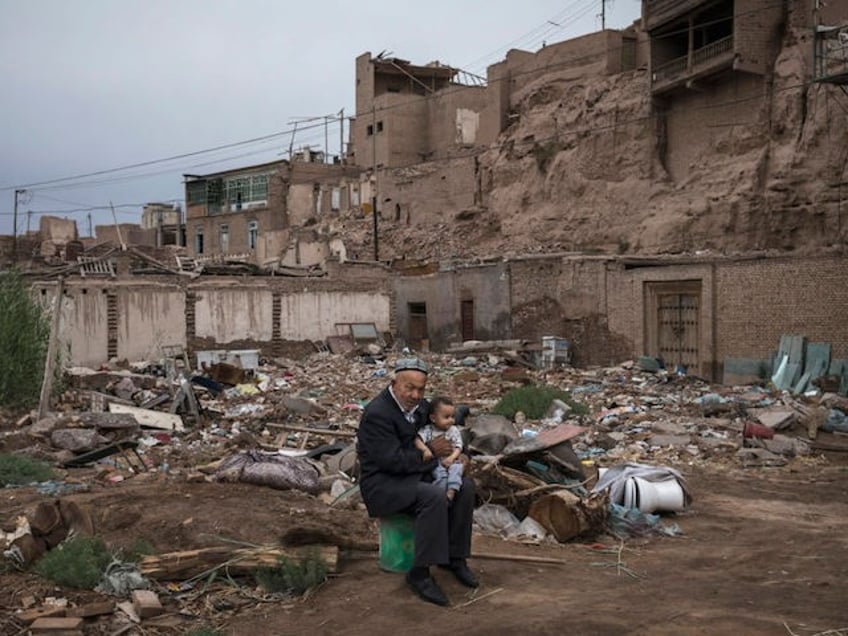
[146, 603]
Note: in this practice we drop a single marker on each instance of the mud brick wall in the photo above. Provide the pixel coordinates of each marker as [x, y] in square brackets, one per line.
[566, 297]
[760, 300]
[632, 316]
[536, 309]
[756, 28]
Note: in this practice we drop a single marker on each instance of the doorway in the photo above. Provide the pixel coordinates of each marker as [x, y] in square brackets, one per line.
[418, 336]
[466, 315]
[672, 329]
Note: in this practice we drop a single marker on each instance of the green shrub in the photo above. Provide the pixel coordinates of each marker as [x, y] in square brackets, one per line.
[79, 562]
[205, 631]
[291, 576]
[18, 470]
[534, 400]
[24, 336]
[140, 548]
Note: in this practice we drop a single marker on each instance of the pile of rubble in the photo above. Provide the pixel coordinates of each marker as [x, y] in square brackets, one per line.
[149, 417]
[582, 469]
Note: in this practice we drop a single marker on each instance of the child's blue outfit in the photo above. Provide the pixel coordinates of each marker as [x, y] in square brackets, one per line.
[450, 477]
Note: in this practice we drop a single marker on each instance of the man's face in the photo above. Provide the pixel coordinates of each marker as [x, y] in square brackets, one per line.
[408, 387]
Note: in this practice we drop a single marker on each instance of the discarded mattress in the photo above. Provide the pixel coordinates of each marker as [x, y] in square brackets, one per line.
[270, 469]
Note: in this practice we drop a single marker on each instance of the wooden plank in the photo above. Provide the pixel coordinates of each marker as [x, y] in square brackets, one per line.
[185, 564]
[56, 625]
[314, 431]
[519, 557]
[53, 343]
[97, 608]
[45, 611]
[151, 419]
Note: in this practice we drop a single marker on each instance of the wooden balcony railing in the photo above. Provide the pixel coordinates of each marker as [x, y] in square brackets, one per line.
[711, 51]
[679, 67]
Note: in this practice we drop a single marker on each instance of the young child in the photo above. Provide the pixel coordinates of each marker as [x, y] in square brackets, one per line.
[449, 470]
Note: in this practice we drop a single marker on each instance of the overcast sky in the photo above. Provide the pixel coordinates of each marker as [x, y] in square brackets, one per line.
[92, 85]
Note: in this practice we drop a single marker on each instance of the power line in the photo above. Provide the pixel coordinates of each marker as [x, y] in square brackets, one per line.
[52, 183]
[530, 34]
[151, 162]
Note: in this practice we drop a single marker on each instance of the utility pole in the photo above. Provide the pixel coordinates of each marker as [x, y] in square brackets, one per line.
[341, 134]
[29, 216]
[326, 138]
[603, 15]
[374, 185]
[291, 143]
[90, 231]
[15, 225]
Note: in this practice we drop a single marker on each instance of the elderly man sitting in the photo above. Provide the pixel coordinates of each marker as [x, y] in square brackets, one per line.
[397, 479]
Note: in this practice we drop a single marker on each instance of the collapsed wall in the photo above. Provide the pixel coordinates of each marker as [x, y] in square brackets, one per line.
[590, 161]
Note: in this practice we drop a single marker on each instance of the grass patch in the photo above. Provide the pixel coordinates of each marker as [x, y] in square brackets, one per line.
[78, 563]
[534, 400]
[205, 631]
[19, 470]
[291, 576]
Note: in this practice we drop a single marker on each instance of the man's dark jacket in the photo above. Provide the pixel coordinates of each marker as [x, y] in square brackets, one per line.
[390, 464]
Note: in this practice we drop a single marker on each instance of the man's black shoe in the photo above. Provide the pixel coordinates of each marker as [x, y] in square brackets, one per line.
[462, 573]
[428, 589]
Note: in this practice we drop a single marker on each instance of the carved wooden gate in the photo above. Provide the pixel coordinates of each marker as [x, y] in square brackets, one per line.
[672, 323]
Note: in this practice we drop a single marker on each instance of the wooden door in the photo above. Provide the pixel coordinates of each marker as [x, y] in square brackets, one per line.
[466, 310]
[677, 329]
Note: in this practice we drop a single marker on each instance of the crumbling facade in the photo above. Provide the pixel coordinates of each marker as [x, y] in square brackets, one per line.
[262, 213]
[138, 317]
[695, 313]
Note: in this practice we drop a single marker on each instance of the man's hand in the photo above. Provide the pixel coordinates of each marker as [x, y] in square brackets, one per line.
[441, 447]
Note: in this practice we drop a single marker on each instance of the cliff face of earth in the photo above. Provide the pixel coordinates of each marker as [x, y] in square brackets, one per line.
[592, 163]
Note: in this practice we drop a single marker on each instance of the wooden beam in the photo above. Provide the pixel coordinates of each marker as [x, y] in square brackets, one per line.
[519, 557]
[315, 431]
[50, 363]
[188, 563]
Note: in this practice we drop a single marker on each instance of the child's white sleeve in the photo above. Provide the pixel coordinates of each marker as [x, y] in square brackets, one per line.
[455, 437]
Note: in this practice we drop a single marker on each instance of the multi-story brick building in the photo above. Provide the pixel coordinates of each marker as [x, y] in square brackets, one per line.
[254, 212]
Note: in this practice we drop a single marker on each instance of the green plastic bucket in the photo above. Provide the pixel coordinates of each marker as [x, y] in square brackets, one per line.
[397, 543]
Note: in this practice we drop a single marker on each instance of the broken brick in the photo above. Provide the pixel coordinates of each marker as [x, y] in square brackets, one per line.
[146, 603]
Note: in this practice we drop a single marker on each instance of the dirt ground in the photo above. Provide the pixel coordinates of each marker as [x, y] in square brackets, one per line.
[764, 552]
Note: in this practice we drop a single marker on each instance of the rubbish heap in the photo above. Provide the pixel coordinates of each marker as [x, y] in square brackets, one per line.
[605, 456]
